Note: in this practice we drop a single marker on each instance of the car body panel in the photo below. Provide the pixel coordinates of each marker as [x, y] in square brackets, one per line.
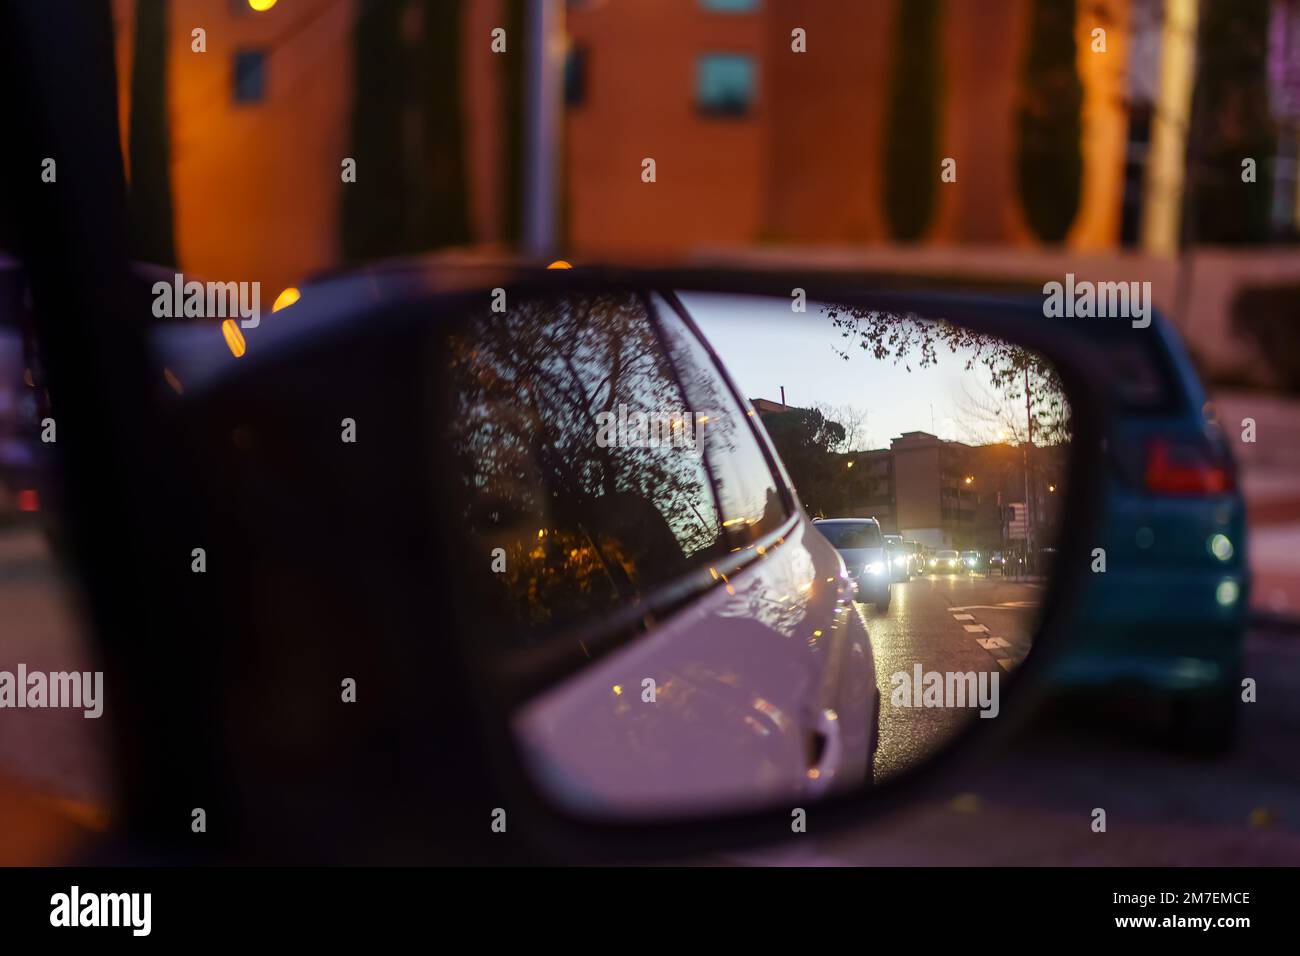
[744, 683]
[1154, 618]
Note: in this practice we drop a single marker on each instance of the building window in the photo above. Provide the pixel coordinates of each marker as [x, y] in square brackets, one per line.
[724, 84]
[250, 76]
[730, 6]
[575, 76]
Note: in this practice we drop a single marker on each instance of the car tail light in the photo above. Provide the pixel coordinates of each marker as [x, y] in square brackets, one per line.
[1186, 468]
[28, 500]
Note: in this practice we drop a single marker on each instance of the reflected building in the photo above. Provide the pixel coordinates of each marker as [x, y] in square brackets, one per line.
[949, 494]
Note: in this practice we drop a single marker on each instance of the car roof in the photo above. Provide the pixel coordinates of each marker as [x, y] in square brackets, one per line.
[333, 300]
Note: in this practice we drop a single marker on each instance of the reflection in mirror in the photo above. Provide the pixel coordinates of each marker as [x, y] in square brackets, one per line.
[725, 555]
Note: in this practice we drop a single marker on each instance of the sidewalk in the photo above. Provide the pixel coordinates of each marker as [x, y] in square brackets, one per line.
[1270, 480]
[1273, 519]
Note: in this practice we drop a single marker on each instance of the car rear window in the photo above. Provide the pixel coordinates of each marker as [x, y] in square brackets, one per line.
[750, 502]
[1143, 379]
[846, 537]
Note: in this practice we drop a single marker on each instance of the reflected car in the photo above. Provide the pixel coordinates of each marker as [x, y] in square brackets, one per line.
[945, 562]
[915, 557]
[970, 560]
[899, 557]
[997, 562]
[862, 546]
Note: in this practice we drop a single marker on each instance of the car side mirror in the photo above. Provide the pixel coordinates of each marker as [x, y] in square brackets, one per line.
[545, 575]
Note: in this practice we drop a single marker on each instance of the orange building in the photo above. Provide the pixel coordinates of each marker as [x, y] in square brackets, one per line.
[752, 141]
[260, 124]
[803, 160]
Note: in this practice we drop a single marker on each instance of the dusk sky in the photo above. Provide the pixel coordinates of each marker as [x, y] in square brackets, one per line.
[765, 346]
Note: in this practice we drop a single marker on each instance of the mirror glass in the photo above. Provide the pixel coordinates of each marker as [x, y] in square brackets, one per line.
[727, 552]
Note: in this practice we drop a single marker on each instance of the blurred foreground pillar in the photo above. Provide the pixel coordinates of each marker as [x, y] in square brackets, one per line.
[544, 98]
[1166, 171]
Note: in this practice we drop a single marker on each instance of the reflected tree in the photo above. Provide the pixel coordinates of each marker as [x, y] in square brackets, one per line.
[1013, 371]
[810, 444]
[585, 524]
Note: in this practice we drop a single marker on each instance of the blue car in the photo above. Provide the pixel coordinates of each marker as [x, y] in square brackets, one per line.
[29, 466]
[26, 464]
[1167, 615]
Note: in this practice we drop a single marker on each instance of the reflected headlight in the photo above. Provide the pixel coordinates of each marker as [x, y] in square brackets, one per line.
[899, 561]
[874, 567]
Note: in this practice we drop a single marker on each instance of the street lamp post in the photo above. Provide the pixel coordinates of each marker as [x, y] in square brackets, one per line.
[1029, 443]
[542, 129]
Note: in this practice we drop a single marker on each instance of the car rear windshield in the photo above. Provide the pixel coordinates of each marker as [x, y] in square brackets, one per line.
[846, 537]
[1144, 378]
[947, 554]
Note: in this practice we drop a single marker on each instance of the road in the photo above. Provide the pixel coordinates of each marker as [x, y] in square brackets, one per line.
[946, 623]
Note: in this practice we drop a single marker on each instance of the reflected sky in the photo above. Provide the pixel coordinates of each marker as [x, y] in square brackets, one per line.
[765, 346]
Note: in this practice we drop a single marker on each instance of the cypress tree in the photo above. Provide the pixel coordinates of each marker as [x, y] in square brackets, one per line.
[374, 211]
[442, 217]
[149, 201]
[1233, 122]
[912, 127]
[1049, 159]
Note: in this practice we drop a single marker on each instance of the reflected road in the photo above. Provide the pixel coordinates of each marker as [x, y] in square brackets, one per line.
[959, 623]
